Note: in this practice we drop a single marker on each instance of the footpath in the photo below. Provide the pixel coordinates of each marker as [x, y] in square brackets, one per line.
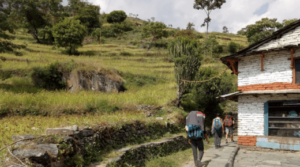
[247, 158]
[217, 157]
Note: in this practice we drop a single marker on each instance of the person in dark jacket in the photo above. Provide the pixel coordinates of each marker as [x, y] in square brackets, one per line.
[197, 118]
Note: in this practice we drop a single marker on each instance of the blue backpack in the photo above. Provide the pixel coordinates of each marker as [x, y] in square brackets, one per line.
[194, 132]
[217, 124]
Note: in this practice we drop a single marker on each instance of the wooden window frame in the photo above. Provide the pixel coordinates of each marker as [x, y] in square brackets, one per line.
[293, 65]
[294, 70]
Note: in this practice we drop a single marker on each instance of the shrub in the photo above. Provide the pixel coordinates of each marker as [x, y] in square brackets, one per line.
[117, 16]
[102, 106]
[185, 33]
[116, 29]
[124, 53]
[232, 47]
[69, 34]
[48, 77]
[5, 75]
[218, 49]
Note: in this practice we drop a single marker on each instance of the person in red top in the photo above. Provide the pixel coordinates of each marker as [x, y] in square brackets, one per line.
[229, 129]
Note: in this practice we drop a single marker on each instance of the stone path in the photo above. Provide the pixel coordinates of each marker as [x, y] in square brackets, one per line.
[246, 158]
[216, 157]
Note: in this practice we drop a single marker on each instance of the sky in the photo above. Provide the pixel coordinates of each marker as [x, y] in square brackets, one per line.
[234, 14]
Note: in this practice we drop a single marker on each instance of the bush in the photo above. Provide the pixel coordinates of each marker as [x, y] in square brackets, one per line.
[116, 29]
[69, 34]
[124, 53]
[218, 49]
[102, 106]
[49, 77]
[185, 33]
[5, 75]
[232, 47]
[117, 16]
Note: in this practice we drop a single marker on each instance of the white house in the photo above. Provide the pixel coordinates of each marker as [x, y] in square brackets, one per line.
[269, 90]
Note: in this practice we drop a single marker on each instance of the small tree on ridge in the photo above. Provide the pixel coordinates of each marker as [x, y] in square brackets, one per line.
[69, 34]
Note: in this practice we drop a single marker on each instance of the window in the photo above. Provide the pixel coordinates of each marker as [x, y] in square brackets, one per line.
[283, 119]
[297, 70]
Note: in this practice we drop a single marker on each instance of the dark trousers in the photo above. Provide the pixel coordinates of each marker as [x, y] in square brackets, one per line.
[218, 137]
[197, 144]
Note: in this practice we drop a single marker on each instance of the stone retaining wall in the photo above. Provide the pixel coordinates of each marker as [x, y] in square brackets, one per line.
[73, 146]
[138, 155]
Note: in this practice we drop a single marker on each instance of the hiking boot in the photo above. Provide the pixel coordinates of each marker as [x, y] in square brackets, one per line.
[198, 163]
[232, 140]
[226, 141]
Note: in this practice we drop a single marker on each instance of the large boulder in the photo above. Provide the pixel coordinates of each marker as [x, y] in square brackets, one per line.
[83, 80]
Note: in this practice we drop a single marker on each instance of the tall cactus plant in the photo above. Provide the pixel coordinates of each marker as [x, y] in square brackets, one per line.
[186, 54]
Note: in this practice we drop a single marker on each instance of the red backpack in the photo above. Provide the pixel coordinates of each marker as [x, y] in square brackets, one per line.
[228, 121]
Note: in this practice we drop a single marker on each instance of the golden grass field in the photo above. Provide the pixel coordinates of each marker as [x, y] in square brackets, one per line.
[18, 91]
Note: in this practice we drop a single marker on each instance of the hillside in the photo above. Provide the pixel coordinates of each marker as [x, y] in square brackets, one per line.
[148, 76]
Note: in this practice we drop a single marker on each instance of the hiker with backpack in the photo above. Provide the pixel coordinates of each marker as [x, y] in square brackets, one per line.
[196, 133]
[228, 123]
[217, 130]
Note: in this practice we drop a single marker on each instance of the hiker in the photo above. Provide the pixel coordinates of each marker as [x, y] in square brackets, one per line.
[217, 130]
[196, 133]
[228, 123]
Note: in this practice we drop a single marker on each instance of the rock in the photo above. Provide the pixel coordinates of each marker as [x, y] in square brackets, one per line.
[87, 133]
[159, 118]
[75, 127]
[51, 148]
[95, 81]
[68, 139]
[22, 137]
[39, 156]
[59, 131]
[34, 128]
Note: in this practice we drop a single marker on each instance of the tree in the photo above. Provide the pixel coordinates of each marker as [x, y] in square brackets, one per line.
[202, 96]
[75, 6]
[211, 45]
[6, 24]
[117, 16]
[261, 29]
[233, 47]
[190, 26]
[242, 31]
[152, 19]
[35, 15]
[208, 6]
[288, 21]
[89, 16]
[225, 29]
[156, 30]
[69, 34]
[186, 54]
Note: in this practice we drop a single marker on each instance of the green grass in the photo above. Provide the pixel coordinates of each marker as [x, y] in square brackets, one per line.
[175, 160]
[148, 76]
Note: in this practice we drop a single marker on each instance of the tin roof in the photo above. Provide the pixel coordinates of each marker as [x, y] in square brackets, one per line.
[234, 96]
[252, 48]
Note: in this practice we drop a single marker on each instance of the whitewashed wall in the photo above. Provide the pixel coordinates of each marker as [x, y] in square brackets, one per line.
[290, 38]
[251, 112]
[276, 68]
